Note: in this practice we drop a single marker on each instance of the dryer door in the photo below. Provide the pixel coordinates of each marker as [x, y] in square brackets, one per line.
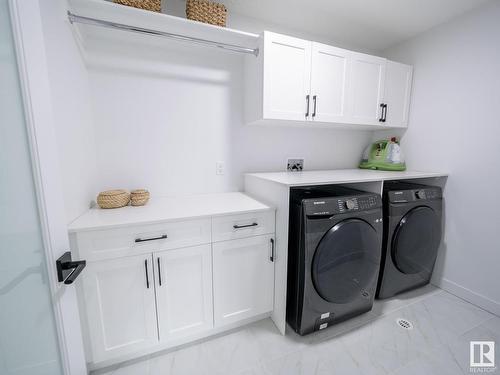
[416, 241]
[346, 262]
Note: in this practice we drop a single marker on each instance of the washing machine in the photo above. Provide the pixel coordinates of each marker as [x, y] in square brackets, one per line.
[334, 253]
[412, 235]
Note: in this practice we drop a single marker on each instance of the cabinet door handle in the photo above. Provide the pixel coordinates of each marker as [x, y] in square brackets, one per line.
[381, 119]
[159, 270]
[314, 106]
[245, 226]
[385, 112]
[147, 273]
[307, 106]
[162, 237]
[271, 258]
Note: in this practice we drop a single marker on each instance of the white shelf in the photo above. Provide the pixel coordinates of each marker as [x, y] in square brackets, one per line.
[340, 176]
[137, 18]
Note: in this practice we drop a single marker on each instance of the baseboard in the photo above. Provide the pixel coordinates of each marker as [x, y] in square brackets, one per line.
[470, 296]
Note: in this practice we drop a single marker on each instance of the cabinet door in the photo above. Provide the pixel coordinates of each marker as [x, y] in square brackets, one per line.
[287, 77]
[366, 89]
[329, 83]
[398, 79]
[120, 305]
[184, 291]
[243, 278]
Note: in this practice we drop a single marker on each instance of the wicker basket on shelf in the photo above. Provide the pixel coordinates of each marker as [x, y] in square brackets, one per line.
[152, 5]
[206, 11]
[139, 197]
[113, 198]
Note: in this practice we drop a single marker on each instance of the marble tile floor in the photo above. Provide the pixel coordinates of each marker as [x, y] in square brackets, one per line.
[371, 344]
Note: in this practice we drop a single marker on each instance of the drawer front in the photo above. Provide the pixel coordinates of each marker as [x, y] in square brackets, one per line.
[114, 243]
[240, 226]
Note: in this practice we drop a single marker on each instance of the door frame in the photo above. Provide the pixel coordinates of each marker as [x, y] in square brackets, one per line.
[36, 96]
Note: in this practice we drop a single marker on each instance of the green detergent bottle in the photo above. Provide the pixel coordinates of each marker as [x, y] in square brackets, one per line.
[384, 155]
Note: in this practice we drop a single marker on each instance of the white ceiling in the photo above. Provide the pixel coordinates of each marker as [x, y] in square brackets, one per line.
[367, 24]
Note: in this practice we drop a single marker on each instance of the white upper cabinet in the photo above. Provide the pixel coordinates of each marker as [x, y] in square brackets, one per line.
[287, 77]
[367, 88]
[184, 291]
[312, 84]
[120, 306]
[329, 83]
[398, 82]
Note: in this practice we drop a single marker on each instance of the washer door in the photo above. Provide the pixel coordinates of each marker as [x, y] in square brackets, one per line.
[416, 241]
[346, 261]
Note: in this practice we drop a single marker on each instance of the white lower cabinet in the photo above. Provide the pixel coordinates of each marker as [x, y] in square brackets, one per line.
[133, 305]
[184, 291]
[243, 278]
[120, 305]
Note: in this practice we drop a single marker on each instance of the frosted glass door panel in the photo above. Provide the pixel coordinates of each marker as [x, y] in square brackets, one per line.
[28, 336]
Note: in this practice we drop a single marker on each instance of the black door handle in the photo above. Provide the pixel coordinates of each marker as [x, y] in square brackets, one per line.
[271, 258]
[245, 226]
[307, 106]
[314, 106]
[382, 106]
[147, 273]
[68, 269]
[159, 270]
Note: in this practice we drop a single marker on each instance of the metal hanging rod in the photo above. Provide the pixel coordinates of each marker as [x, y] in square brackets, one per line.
[73, 18]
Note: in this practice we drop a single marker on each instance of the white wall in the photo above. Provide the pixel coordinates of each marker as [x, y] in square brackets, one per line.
[455, 127]
[165, 115]
[72, 110]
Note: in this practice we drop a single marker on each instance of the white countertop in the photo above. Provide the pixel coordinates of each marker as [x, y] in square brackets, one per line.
[340, 176]
[167, 209]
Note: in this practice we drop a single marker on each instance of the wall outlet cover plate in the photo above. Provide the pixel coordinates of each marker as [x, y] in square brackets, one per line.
[295, 165]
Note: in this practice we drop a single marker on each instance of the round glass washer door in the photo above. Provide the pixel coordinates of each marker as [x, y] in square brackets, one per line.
[346, 261]
[416, 241]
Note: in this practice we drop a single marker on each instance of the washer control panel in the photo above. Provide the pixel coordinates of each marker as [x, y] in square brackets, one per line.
[339, 205]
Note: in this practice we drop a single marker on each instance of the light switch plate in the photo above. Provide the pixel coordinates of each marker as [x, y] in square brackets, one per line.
[295, 164]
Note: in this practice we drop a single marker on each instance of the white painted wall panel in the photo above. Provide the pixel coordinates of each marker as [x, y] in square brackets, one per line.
[454, 126]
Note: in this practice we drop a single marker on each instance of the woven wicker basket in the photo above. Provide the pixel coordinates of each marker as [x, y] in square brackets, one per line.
[139, 197]
[153, 5]
[113, 198]
[206, 11]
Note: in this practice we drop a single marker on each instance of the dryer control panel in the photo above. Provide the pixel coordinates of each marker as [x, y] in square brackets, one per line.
[413, 195]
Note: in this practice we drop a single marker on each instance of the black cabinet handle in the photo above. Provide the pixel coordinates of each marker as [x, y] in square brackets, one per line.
[147, 273]
[307, 106]
[159, 270]
[162, 237]
[314, 106]
[382, 106]
[245, 226]
[67, 269]
[385, 112]
[271, 258]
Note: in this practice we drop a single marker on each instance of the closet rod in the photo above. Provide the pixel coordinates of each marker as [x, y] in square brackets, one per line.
[113, 25]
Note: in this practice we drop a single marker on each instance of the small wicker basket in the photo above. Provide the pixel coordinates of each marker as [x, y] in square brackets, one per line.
[139, 197]
[113, 198]
[152, 5]
[206, 11]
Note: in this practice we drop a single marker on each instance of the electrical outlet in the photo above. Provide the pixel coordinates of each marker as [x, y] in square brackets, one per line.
[295, 165]
[219, 168]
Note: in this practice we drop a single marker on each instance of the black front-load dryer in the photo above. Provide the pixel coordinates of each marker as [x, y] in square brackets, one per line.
[412, 234]
[334, 252]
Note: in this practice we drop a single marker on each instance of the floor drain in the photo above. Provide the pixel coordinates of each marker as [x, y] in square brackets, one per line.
[403, 323]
